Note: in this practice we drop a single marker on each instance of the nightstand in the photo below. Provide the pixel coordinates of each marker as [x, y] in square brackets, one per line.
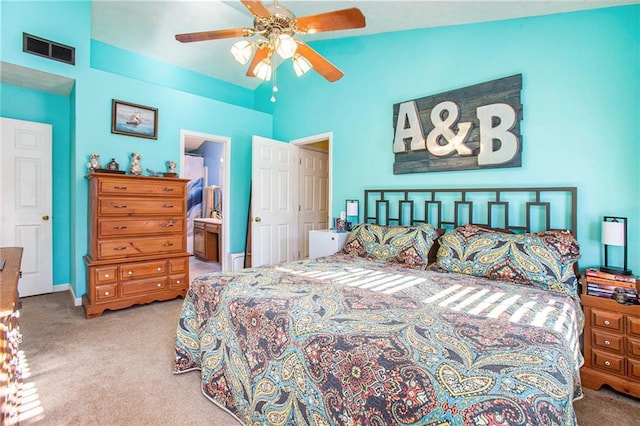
[611, 344]
[325, 242]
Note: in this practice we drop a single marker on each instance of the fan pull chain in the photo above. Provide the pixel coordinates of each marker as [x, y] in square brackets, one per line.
[274, 87]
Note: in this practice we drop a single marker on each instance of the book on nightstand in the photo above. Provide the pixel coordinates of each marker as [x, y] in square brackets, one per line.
[607, 285]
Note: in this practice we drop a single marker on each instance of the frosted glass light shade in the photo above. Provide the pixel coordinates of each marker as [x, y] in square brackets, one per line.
[613, 233]
[242, 51]
[263, 69]
[301, 65]
[286, 46]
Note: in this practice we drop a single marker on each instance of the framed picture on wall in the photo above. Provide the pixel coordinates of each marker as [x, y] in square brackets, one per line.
[134, 120]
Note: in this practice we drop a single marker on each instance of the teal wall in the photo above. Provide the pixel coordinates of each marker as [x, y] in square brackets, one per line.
[581, 98]
[31, 105]
[89, 116]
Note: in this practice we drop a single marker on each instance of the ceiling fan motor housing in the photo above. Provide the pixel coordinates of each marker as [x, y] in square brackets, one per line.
[281, 21]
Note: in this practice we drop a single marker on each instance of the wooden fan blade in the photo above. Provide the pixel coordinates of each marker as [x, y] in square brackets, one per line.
[256, 7]
[211, 35]
[332, 21]
[320, 64]
[261, 53]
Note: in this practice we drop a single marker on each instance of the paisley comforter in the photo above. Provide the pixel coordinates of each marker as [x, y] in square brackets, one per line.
[348, 341]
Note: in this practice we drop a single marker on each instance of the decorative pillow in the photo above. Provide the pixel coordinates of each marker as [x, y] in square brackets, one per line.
[405, 245]
[544, 259]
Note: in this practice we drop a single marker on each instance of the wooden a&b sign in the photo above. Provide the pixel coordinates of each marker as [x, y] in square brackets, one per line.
[475, 127]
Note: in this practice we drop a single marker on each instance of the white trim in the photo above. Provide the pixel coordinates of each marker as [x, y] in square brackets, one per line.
[226, 200]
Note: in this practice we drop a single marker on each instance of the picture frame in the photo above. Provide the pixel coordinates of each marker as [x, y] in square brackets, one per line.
[134, 120]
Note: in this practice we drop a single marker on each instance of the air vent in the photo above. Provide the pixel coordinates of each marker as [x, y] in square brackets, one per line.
[49, 49]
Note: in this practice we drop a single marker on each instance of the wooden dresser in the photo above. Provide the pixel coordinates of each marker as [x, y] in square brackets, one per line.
[137, 241]
[611, 345]
[10, 372]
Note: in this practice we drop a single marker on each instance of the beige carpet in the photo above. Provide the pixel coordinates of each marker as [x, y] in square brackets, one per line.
[116, 370]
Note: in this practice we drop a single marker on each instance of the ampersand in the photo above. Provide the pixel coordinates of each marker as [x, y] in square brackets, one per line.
[455, 141]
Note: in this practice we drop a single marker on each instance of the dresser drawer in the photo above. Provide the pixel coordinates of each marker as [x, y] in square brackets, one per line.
[633, 347]
[105, 274]
[178, 281]
[106, 292]
[131, 288]
[111, 249]
[178, 265]
[117, 227]
[634, 369]
[606, 319]
[119, 186]
[135, 271]
[612, 342]
[607, 361]
[633, 325]
[140, 206]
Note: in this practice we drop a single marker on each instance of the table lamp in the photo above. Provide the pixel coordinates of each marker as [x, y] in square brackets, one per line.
[353, 213]
[614, 233]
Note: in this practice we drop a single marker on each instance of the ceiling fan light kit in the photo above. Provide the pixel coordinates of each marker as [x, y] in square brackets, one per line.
[276, 27]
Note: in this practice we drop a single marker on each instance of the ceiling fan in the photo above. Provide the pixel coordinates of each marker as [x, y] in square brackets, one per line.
[277, 27]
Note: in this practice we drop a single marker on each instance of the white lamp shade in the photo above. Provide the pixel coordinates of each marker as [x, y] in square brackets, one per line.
[242, 51]
[352, 208]
[613, 233]
[263, 69]
[301, 65]
[286, 46]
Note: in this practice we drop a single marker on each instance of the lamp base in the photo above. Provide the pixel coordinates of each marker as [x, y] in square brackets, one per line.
[616, 271]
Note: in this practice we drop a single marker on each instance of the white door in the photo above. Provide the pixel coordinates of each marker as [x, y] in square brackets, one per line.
[313, 194]
[274, 202]
[25, 215]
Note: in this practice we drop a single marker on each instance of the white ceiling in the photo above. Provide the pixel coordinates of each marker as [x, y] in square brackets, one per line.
[148, 27]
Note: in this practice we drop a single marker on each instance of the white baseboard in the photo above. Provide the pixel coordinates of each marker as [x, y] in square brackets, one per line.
[77, 301]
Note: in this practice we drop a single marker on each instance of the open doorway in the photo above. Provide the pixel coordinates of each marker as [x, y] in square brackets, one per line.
[209, 186]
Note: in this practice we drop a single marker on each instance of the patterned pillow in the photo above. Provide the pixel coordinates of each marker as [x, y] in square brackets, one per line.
[405, 245]
[543, 259]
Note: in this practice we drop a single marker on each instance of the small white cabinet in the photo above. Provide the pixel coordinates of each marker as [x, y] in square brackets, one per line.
[324, 242]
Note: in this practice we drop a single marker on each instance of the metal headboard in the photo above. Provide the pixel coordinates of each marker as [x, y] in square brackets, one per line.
[517, 209]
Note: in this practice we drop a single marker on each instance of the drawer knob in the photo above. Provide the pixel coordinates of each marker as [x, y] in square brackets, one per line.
[119, 227]
[130, 272]
[106, 293]
[120, 187]
[120, 248]
[119, 206]
[167, 225]
[606, 322]
[106, 275]
[167, 206]
[177, 281]
[159, 269]
[607, 363]
[159, 284]
[606, 342]
[166, 188]
[166, 245]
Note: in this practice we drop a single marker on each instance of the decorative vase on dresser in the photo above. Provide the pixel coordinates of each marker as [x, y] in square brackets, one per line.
[137, 241]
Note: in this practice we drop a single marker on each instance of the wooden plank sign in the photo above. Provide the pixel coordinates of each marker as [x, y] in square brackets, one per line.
[475, 127]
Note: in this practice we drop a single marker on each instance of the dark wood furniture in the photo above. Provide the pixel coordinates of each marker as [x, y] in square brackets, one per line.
[10, 374]
[611, 344]
[137, 241]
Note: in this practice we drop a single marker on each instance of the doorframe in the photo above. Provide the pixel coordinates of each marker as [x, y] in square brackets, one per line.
[328, 136]
[226, 193]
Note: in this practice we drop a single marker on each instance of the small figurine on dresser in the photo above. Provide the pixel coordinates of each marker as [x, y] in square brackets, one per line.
[113, 165]
[171, 166]
[94, 162]
[135, 168]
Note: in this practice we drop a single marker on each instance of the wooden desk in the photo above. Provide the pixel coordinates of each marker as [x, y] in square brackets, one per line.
[10, 377]
[207, 239]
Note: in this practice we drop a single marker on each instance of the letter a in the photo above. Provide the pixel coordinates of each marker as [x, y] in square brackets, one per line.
[508, 141]
[408, 113]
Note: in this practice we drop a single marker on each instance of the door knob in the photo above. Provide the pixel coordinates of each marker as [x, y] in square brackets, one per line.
[258, 219]
[45, 217]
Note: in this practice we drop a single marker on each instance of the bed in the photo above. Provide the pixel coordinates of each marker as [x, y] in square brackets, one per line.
[445, 307]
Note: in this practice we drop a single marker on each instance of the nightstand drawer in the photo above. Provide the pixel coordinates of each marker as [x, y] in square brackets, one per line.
[633, 326]
[611, 342]
[141, 270]
[606, 361]
[144, 286]
[606, 319]
[106, 292]
[106, 274]
[634, 369]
